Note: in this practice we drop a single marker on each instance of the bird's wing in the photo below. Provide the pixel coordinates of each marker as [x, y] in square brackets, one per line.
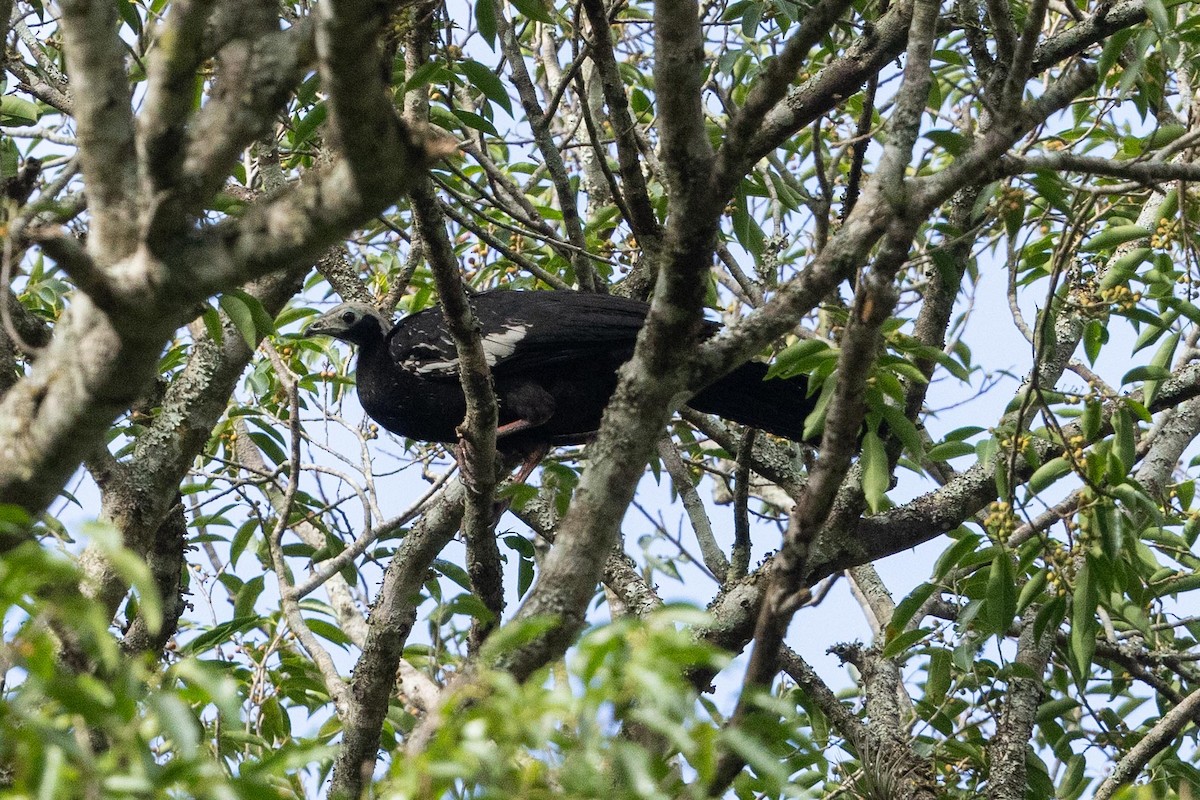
[522, 331]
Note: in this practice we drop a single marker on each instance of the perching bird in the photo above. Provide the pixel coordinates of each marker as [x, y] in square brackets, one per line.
[554, 357]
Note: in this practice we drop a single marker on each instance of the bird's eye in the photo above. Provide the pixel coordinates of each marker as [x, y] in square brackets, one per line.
[348, 317]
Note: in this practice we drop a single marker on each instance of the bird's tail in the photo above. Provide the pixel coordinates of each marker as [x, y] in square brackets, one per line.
[778, 405]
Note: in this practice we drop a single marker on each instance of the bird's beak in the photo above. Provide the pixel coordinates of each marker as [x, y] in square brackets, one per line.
[318, 327]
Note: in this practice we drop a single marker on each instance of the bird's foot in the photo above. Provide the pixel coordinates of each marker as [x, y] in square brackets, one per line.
[464, 454]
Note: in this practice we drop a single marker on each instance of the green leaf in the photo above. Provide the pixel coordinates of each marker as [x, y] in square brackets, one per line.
[485, 21]
[1082, 644]
[909, 605]
[486, 81]
[10, 159]
[954, 556]
[952, 142]
[241, 317]
[902, 428]
[17, 111]
[1095, 336]
[470, 605]
[938, 682]
[1124, 441]
[1001, 605]
[948, 450]
[1123, 268]
[453, 571]
[1073, 780]
[248, 595]
[1156, 326]
[424, 75]
[797, 358]
[473, 120]
[329, 631]
[814, 423]
[1111, 237]
[1162, 360]
[241, 539]
[876, 478]
[533, 9]
[901, 643]
[1145, 373]
[219, 634]
[178, 723]
[1048, 473]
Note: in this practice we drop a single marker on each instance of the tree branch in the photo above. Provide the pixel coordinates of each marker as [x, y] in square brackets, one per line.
[104, 121]
[1006, 750]
[642, 219]
[391, 621]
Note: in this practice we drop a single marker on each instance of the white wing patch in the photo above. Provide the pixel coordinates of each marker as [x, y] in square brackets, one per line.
[497, 346]
[502, 344]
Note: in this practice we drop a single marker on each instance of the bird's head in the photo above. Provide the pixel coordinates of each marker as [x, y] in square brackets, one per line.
[357, 323]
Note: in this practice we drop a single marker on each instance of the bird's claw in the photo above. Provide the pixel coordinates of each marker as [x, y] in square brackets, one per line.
[464, 454]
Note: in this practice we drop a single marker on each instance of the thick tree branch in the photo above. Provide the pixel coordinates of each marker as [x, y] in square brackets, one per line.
[550, 151]
[1151, 173]
[141, 494]
[1006, 750]
[838, 80]
[167, 563]
[477, 433]
[1107, 20]
[255, 73]
[768, 90]
[392, 618]
[162, 124]
[1160, 736]
[104, 125]
[642, 219]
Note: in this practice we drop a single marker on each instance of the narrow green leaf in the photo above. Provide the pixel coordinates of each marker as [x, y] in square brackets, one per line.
[533, 9]
[902, 643]
[948, 450]
[1123, 268]
[1082, 643]
[1124, 441]
[241, 317]
[1095, 335]
[1145, 373]
[875, 472]
[938, 682]
[486, 81]
[1161, 360]
[1048, 473]
[485, 21]
[954, 556]
[909, 605]
[1111, 237]
[1001, 604]
[17, 111]
[1032, 589]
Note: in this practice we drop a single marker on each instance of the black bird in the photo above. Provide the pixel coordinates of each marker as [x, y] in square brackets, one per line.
[554, 357]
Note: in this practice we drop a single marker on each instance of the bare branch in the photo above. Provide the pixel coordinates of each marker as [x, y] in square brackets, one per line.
[391, 621]
[104, 121]
[839, 79]
[162, 125]
[710, 550]
[769, 89]
[1150, 173]
[549, 151]
[1006, 750]
[642, 219]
